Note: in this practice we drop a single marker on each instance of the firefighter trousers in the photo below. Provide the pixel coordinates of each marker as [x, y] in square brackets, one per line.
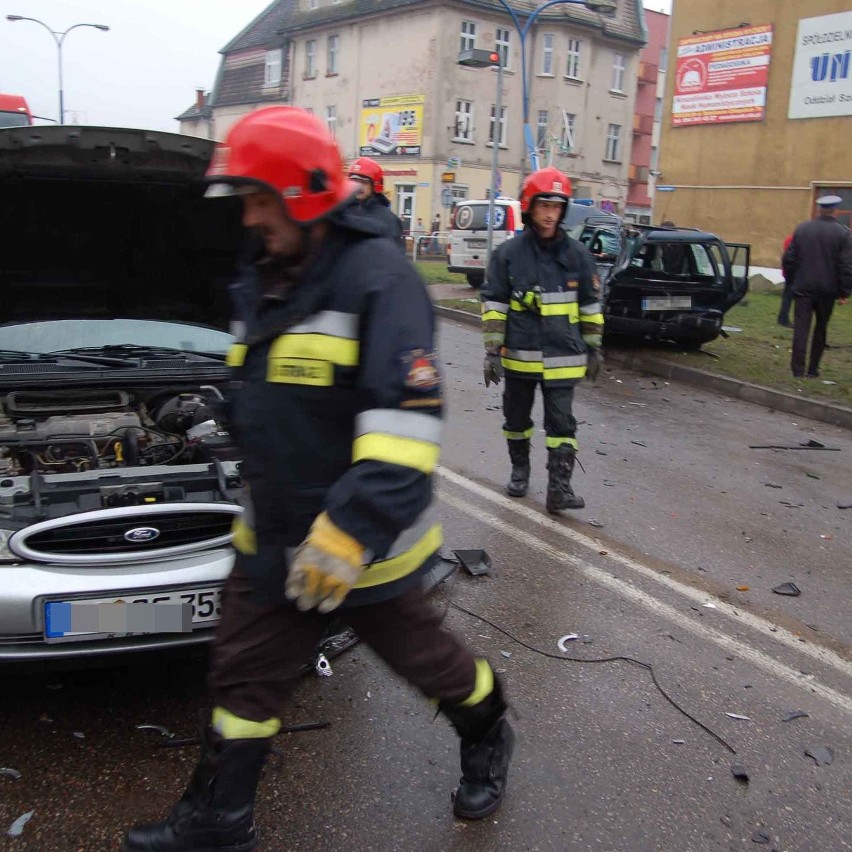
[560, 426]
[259, 649]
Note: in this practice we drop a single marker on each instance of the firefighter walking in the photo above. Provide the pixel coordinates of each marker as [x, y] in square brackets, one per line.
[372, 201]
[337, 414]
[542, 327]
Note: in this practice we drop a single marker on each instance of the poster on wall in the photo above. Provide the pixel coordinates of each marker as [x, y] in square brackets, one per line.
[722, 76]
[821, 84]
[392, 126]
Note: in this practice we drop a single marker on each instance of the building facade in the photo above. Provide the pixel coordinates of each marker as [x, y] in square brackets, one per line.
[386, 80]
[758, 117]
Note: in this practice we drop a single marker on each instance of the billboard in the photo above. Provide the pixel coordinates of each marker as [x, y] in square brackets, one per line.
[722, 76]
[821, 85]
[392, 126]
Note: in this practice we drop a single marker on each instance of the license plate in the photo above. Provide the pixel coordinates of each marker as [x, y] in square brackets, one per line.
[474, 262]
[476, 243]
[666, 303]
[62, 618]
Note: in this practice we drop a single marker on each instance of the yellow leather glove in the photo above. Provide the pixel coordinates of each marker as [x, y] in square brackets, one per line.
[243, 537]
[326, 566]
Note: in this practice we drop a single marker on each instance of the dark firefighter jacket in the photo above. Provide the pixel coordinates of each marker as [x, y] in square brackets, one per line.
[818, 260]
[375, 215]
[336, 406]
[541, 308]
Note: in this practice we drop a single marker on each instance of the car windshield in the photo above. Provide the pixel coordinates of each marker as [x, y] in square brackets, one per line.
[13, 119]
[61, 335]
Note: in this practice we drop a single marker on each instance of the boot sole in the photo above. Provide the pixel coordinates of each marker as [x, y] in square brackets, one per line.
[241, 847]
[479, 814]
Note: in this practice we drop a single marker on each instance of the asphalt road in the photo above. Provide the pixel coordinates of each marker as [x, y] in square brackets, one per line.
[604, 761]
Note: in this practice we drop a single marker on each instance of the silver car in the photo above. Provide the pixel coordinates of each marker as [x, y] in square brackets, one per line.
[118, 479]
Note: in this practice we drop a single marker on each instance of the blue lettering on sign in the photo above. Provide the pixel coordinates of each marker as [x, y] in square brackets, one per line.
[832, 67]
[499, 217]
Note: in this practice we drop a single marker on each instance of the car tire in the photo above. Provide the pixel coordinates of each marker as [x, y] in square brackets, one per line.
[475, 280]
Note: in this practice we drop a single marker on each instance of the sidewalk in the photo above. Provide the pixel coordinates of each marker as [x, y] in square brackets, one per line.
[825, 412]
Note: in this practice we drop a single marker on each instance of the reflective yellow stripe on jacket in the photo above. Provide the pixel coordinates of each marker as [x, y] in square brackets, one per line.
[407, 438]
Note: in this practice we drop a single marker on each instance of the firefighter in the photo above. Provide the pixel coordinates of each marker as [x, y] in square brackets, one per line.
[542, 325]
[371, 196]
[337, 414]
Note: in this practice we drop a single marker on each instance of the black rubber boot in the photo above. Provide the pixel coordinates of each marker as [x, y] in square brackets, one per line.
[216, 813]
[519, 482]
[560, 467]
[487, 743]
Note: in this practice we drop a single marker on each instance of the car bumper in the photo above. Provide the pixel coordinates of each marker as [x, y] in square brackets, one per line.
[704, 327]
[25, 588]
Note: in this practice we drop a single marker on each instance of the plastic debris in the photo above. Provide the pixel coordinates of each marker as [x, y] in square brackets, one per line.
[639, 443]
[595, 523]
[742, 588]
[811, 476]
[17, 827]
[814, 443]
[323, 666]
[772, 485]
[79, 735]
[821, 754]
[506, 654]
[826, 536]
[159, 728]
[475, 562]
[795, 714]
[568, 637]
[739, 716]
[844, 505]
[709, 605]
[828, 382]
[679, 742]
[11, 773]
[587, 640]
[790, 589]
[759, 837]
[739, 772]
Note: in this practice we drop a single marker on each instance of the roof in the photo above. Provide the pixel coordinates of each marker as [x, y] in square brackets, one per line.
[263, 31]
[244, 85]
[196, 112]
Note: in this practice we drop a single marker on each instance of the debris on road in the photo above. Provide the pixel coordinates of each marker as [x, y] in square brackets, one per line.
[159, 728]
[639, 443]
[739, 772]
[594, 522]
[739, 716]
[12, 773]
[815, 445]
[795, 714]
[475, 562]
[79, 735]
[587, 640]
[679, 742]
[821, 754]
[844, 505]
[759, 837]
[772, 485]
[323, 666]
[811, 475]
[790, 589]
[566, 638]
[743, 588]
[826, 536]
[709, 605]
[17, 827]
[506, 654]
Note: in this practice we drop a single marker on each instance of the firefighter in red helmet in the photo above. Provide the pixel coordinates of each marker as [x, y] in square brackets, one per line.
[337, 414]
[542, 326]
[368, 174]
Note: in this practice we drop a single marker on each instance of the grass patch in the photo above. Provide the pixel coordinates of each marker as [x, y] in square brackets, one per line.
[435, 272]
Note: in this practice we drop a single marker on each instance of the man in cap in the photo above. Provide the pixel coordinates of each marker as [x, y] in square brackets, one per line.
[818, 262]
[370, 177]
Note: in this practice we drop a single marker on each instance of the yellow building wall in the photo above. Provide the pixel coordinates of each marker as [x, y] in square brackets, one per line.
[753, 181]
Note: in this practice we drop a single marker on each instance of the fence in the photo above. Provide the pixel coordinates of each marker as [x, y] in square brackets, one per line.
[429, 246]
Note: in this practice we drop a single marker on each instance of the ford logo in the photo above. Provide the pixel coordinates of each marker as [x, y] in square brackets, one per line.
[139, 535]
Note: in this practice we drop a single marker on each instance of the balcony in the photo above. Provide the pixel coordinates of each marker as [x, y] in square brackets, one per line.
[648, 72]
[643, 125]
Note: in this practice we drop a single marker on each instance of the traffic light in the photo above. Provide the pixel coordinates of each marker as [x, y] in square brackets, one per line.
[478, 58]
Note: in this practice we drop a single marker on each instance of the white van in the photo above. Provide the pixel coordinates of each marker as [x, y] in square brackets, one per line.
[468, 243]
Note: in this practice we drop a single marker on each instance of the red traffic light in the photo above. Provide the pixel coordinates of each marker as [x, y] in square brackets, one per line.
[494, 57]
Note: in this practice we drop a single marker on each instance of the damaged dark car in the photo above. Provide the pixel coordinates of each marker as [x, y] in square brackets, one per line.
[118, 479]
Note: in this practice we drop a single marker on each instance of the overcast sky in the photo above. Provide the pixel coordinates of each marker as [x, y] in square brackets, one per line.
[142, 73]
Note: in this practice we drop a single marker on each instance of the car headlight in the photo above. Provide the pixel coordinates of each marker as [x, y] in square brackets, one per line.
[6, 555]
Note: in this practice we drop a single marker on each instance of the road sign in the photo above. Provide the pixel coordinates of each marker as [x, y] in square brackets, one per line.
[448, 177]
[665, 188]
[446, 197]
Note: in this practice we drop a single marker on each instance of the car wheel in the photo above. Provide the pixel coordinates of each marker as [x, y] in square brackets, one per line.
[474, 280]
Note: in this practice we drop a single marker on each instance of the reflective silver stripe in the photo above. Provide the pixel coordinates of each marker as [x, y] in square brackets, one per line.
[559, 298]
[522, 354]
[495, 306]
[238, 329]
[564, 361]
[593, 308]
[404, 424]
[409, 537]
[334, 323]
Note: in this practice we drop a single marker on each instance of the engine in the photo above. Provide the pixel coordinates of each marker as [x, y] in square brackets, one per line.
[77, 431]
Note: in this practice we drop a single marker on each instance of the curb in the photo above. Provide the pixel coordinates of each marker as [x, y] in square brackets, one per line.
[824, 412]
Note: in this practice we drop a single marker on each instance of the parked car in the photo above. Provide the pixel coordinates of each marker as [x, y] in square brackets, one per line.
[670, 284]
[118, 481]
[601, 233]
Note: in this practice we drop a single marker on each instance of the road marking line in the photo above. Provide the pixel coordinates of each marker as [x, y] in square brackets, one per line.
[626, 589]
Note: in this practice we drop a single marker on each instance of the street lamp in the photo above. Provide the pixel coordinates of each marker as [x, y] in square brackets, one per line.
[602, 7]
[59, 38]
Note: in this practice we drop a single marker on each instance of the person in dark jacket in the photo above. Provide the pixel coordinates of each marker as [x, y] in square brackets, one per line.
[337, 415]
[370, 177]
[542, 326]
[818, 261]
[787, 292]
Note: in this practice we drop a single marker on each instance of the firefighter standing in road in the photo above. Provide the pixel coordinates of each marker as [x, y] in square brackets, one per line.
[542, 325]
[337, 414]
[818, 262]
[368, 174]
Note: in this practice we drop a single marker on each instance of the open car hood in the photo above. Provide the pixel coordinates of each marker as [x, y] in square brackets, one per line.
[112, 223]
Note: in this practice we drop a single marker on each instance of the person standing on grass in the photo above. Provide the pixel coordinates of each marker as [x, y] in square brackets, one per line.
[818, 261]
[787, 294]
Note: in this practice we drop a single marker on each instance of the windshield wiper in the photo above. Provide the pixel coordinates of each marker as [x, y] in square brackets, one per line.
[12, 356]
[136, 351]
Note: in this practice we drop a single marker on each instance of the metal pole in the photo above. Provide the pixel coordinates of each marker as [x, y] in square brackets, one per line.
[61, 86]
[497, 133]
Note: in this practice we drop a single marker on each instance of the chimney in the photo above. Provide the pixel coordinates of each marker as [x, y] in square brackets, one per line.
[200, 99]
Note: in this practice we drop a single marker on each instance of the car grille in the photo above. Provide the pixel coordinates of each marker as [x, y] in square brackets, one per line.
[127, 534]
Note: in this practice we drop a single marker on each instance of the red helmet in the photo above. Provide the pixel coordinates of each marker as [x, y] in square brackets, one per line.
[547, 184]
[289, 151]
[371, 169]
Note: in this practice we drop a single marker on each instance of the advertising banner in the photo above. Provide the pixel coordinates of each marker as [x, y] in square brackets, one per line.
[822, 68]
[392, 126]
[722, 76]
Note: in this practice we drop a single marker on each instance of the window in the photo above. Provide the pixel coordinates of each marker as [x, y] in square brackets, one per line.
[331, 119]
[547, 54]
[458, 192]
[573, 68]
[272, 70]
[310, 58]
[569, 124]
[333, 52]
[502, 139]
[502, 46]
[464, 121]
[541, 135]
[613, 137]
[618, 68]
[468, 35]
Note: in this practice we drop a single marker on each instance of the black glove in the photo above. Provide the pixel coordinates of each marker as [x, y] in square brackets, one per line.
[595, 363]
[492, 369]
